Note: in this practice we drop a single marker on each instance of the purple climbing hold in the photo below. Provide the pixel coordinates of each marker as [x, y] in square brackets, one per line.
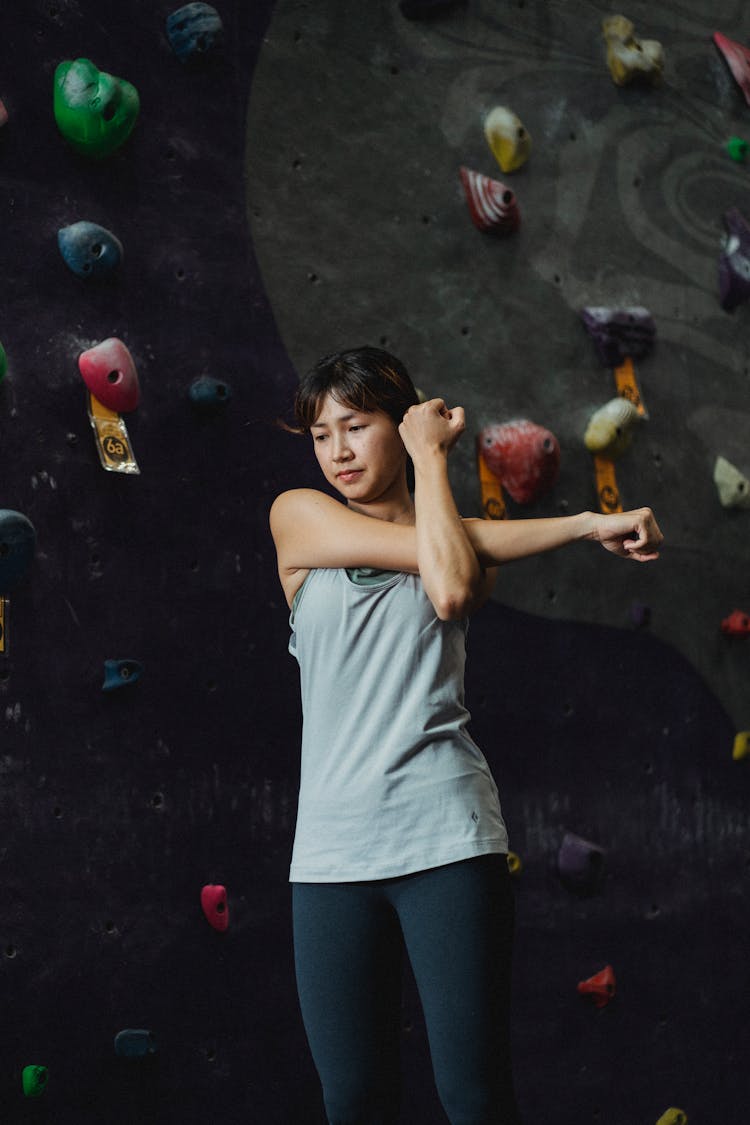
[618, 333]
[580, 864]
[734, 263]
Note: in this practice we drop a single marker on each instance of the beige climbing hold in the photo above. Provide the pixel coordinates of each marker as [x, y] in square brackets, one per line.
[507, 137]
[734, 488]
[629, 58]
[610, 428]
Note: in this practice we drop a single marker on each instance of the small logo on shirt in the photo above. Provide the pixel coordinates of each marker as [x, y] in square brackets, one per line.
[475, 816]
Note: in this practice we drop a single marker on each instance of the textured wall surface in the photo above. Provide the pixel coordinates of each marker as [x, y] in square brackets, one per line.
[340, 128]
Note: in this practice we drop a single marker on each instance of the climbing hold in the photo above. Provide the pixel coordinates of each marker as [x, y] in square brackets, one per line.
[737, 624]
[109, 373]
[618, 333]
[120, 673]
[423, 9]
[507, 137]
[515, 864]
[94, 111]
[3, 114]
[34, 1080]
[737, 59]
[600, 987]
[89, 250]
[580, 864]
[673, 1116]
[3, 362]
[492, 205]
[640, 614]
[629, 58]
[523, 456]
[610, 428]
[134, 1044]
[194, 31]
[17, 541]
[734, 488]
[734, 263]
[737, 149]
[741, 747]
[215, 907]
[209, 395]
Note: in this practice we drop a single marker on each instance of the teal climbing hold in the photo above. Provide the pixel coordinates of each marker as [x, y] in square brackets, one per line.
[208, 394]
[120, 673]
[34, 1080]
[89, 250]
[195, 30]
[134, 1043]
[3, 362]
[17, 543]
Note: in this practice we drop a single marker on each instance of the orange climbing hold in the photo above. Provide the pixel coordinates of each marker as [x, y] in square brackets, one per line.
[600, 987]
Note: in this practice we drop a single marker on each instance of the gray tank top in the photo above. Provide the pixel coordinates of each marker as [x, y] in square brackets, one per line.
[391, 782]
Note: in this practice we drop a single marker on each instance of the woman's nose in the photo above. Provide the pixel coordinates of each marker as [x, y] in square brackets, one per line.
[341, 450]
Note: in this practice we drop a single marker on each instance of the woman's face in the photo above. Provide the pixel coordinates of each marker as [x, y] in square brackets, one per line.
[360, 452]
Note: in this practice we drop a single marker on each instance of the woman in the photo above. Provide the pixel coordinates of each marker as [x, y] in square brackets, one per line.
[400, 839]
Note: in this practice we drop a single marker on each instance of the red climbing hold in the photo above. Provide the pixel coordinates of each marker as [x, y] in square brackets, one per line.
[523, 456]
[737, 624]
[214, 903]
[492, 205]
[109, 373]
[738, 60]
[600, 987]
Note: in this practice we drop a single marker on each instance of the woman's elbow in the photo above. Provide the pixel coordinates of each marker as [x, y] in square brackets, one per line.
[454, 606]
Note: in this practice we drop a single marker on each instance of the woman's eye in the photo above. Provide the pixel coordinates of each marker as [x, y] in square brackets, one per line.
[320, 437]
[353, 428]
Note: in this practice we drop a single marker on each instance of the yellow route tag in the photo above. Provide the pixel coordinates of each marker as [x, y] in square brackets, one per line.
[606, 485]
[3, 625]
[627, 385]
[493, 501]
[112, 441]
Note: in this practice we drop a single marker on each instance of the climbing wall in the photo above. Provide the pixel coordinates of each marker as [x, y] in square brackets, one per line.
[294, 190]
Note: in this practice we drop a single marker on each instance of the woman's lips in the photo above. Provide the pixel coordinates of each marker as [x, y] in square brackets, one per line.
[347, 476]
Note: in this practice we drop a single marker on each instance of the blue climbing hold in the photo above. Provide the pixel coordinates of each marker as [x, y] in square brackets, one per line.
[89, 250]
[120, 673]
[194, 31]
[17, 541]
[134, 1044]
[208, 394]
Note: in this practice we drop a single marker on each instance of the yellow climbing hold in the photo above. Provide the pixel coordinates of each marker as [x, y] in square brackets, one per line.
[628, 57]
[507, 137]
[741, 748]
[515, 865]
[673, 1117]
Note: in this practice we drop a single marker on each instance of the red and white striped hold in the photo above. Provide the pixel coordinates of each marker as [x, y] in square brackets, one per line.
[492, 205]
[737, 59]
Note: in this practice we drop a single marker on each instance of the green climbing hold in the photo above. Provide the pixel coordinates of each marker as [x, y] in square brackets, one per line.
[94, 111]
[34, 1080]
[737, 148]
[3, 362]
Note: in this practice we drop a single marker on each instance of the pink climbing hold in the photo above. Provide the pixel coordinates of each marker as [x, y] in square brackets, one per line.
[109, 373]
[737, 58]
[600, 987]
[3, 114]
[523, 456]
[492, 205]
[214, 903]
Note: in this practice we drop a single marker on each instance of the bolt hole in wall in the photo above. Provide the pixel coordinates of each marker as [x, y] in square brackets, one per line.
[157, 800]
[10, 952]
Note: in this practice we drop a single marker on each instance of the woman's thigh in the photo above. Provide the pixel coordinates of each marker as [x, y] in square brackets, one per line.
[348, 960]
[458, 922]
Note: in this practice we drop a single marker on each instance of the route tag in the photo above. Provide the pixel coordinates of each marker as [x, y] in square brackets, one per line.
[627, 385]
[112, 441]
[493, 501]
[606, 485]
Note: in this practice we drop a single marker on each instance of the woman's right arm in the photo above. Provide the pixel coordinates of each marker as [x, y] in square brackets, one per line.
[312, 529]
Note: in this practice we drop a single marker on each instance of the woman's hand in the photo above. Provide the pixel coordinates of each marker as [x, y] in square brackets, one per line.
[430, 426]
[632, 535]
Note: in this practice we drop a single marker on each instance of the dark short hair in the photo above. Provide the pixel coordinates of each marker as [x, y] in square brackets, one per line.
[365, 378]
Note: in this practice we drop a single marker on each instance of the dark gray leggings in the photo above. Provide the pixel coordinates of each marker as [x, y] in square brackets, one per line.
[457, 926]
